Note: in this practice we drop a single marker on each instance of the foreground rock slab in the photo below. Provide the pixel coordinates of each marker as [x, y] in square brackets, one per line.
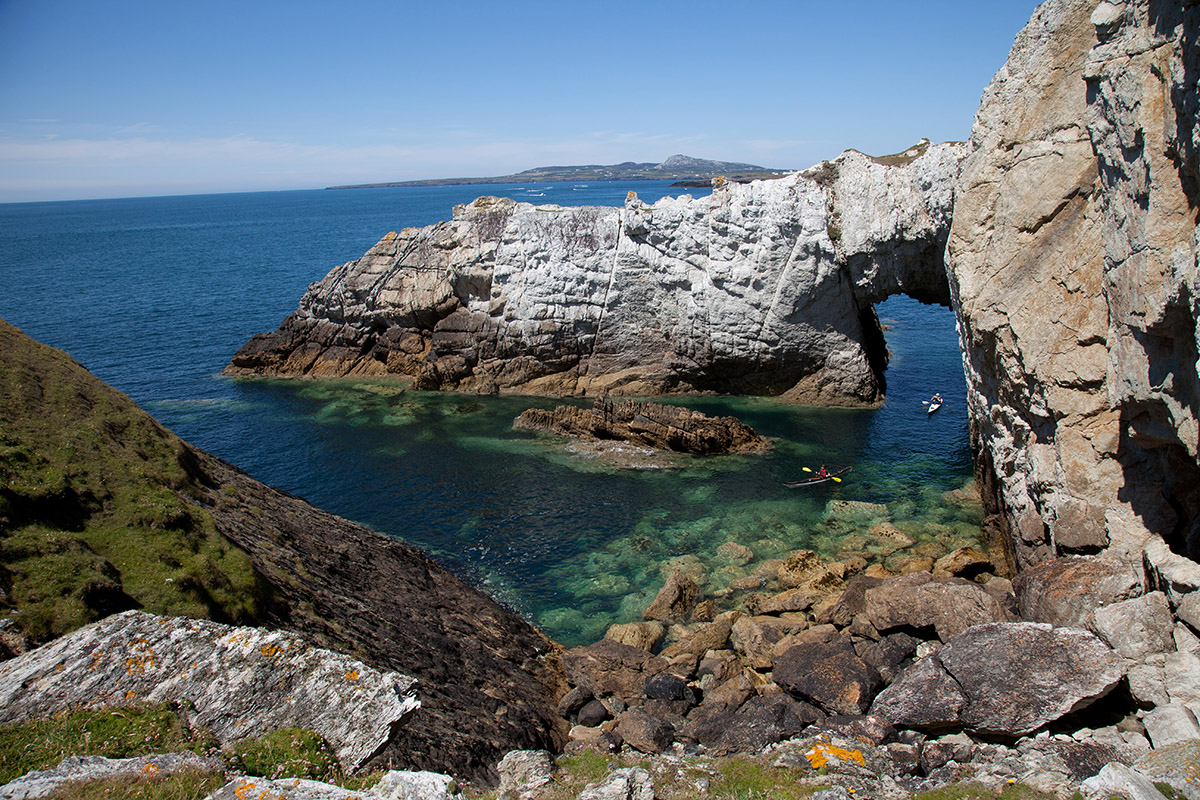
[239, 682]
[43, 782]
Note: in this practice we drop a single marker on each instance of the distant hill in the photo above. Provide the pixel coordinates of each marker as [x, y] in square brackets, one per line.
[675, 168]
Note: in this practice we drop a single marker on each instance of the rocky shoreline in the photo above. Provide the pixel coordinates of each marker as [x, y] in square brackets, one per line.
[1069, 663]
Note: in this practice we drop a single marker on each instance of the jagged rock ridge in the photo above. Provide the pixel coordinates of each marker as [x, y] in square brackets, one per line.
[488, 679]
[765, 288]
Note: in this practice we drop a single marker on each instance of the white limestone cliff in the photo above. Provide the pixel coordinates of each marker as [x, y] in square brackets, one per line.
[760, 288]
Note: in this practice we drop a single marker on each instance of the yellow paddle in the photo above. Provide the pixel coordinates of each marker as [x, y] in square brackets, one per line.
[838, 480]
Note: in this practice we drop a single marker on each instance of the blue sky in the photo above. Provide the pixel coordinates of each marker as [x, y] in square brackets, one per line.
[131, 97]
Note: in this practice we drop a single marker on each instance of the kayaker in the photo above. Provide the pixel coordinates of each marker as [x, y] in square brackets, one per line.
[822, 472]
[937, 398]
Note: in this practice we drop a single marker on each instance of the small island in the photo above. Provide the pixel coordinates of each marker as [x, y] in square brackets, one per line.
[652, 425]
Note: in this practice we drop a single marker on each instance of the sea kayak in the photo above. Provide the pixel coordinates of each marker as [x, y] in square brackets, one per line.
[935, 406]
[817, 478]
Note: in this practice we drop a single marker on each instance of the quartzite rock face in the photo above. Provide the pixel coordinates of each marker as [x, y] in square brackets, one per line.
[239, 682]
[1072, 263]
[761, 288]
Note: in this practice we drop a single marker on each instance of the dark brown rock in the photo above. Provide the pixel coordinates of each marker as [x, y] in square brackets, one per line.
[853, 600]
[574, 700]
[592, 714]
[866, 728]
[644, 732]
[829, 674]
[675, 600]
[889, 655]
[655, 425]
[611, 668]
[666, 686]
[760, 721]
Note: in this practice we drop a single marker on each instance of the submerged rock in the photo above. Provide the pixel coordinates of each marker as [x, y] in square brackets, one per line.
[653, 425]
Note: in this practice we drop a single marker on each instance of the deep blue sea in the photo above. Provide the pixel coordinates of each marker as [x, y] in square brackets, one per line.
[154, 295]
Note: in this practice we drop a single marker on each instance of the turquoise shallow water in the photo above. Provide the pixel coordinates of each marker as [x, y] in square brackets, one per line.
[154, 296]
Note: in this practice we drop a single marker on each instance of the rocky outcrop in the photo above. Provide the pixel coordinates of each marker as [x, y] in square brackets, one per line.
[1072, 262]
[653, 425]
[80, 769]
[763, 288]
[489, 681]
[236, 682]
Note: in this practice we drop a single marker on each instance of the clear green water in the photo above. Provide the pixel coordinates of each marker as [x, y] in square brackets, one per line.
[577, 545]
[155, 294]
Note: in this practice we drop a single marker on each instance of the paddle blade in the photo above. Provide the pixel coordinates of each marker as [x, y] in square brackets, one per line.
[806, 469]
[839, 480]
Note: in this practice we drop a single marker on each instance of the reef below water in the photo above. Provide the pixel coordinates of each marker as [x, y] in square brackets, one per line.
[577, 543]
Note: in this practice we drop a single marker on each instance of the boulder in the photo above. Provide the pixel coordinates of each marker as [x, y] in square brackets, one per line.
[1171, 724]
[592, 714]
[712, 636]
[607, 667]
[786, 601]
[1065, 591]
[754, 641]
[1181, 675]
[888, 655]
[1005, 679]
[828, 674]
[399, 784]
[965, 562]
[759, 722]
[642, 635]
[925, 696]
[1137, 627]
[524, 771]
[920, 601]
[853, 600]
[644, 732]
[238, 682]
[675, 600]
[630, 783]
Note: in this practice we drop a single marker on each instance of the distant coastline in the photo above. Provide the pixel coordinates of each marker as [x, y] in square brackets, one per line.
[688, 171]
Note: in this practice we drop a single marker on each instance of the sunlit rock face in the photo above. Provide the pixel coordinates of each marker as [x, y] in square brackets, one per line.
[760, 288]
[1072, 263]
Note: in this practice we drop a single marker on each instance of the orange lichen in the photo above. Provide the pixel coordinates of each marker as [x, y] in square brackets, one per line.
[352, 675]
[821, 754]
[130, 695]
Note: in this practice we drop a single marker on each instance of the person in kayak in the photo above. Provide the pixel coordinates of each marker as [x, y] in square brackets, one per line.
[822, 472]
[937, 399]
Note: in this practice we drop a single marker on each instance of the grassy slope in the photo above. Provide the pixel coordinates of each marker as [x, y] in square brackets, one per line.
[95, 512]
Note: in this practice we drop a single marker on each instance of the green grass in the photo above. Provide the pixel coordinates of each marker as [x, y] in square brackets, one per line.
[969, 790]
[286, 753]
[98, 508]
[183, 785]
[114, 733]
